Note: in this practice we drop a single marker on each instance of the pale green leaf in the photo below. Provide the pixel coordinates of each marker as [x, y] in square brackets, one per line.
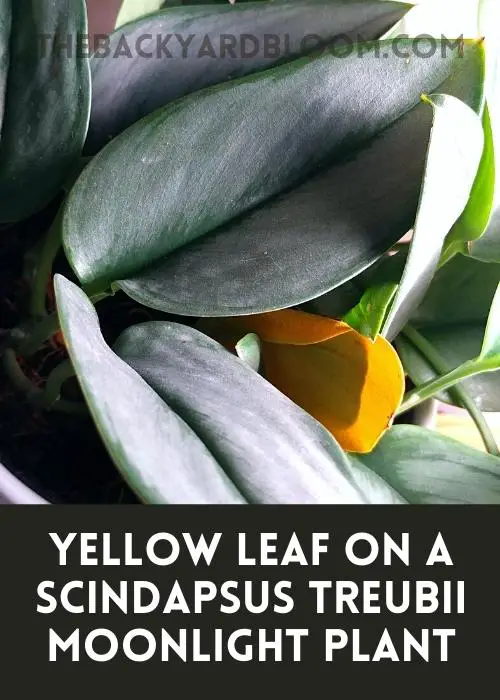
[427, 468]
[187, 422]
[133, 9]
[248, 349]
[453, 158]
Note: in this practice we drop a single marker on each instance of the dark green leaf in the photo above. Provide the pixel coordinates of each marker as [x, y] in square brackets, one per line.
[335, 304]
[134, 76]
[322, 233]
[368, 315]
[47, 104]
[461, 292]
[342, 230]
[427, 468]
[199, 426]
[453, 158]
[295, 246]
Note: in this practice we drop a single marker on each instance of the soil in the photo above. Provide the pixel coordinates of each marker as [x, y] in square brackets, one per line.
[59, 456]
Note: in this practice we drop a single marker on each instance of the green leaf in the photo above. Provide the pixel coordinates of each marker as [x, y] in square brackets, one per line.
[5, 27]
[388, 270]
[453, 158]
[323, 233]
[133, 9]
[157, 453]
[187, 422]
[134, 76]
[295, 246]
[368, 315]
[476, 216]
[427, 468]
[336, 303]
[47, 104]
[487, 248]
[248, 349]
[376, 490]
[490, 349]
[453, 317]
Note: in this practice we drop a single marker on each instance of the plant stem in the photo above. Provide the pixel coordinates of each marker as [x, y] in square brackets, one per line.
[34, 394]
[41, 332]
[29, 339]
[17, 377]
[458, 393]
[436, 386]
[56, 379]
[43, 273]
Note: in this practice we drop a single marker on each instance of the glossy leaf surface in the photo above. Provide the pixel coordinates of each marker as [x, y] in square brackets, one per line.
[455, 150]
[193, 423]
[164, 56]
[275, 256]
[427, 468]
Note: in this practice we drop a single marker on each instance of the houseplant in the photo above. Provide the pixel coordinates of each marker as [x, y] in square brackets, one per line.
[234, 211]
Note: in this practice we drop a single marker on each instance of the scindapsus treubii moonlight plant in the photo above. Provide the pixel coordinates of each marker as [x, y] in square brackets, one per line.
[249, 171]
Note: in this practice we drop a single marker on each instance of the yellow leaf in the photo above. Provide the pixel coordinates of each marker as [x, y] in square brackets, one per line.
[349, 383]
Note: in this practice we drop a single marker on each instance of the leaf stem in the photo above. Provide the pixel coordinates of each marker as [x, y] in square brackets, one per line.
[458, 393]
[53, 386]
[38, 335]
[29, 339]
[50, 247]
[450, 250]
[34, 394]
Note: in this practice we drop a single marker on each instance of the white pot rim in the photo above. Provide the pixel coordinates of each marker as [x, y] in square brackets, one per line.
[14, 492]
